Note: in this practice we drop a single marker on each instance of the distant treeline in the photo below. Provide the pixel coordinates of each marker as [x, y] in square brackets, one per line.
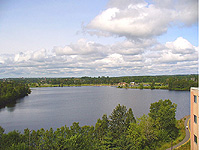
[10, 91]
[118, 131]
[171, 82]
[182, 83]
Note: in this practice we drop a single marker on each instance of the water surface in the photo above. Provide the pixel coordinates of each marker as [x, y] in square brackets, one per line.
[59, 106]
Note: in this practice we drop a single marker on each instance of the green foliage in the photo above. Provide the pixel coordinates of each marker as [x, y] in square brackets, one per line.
[120, 120]
[171, 82]
[152, 86]
[101, 128]
[10, 139]
[11, 91]
[141, 86]
[19, 146]
[163, 115]
[181, 136]
[181, 84]
[118, 131]
[187, 146]
[142, 134]
[1, 132]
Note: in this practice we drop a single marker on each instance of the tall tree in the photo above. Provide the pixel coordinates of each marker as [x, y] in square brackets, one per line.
[120, 120]
[163, 115]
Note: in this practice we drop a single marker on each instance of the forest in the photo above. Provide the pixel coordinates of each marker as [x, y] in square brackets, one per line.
[10, 91]
[170, 82]
[121, 130]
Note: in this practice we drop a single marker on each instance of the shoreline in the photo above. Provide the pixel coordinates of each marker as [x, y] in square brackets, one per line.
[100, 85]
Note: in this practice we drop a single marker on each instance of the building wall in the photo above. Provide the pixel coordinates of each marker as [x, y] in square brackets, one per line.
[194, 111]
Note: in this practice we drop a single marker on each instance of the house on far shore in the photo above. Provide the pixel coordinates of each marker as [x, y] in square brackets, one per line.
[122, 84]
[132, 83]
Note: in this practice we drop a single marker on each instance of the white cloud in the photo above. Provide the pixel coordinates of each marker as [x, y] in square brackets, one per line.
[177, 51]
[113, 60]
[39, 55]
[122, 58]
[139, 22]
[22, 57]
[82, 47]
[123, 4]
[133, 47]
[139, 19]
[64, 51]
[181, 45]
[187, 11]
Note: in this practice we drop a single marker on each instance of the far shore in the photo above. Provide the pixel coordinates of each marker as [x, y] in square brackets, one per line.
[109, 85]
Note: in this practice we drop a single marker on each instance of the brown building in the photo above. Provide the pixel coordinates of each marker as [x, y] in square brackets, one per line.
[194, 125]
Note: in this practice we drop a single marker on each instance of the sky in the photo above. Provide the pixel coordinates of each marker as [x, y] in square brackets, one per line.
[75, 38]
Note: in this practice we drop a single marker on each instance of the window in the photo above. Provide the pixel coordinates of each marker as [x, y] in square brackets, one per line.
[195, 139]
[195, 98]
[195, 118]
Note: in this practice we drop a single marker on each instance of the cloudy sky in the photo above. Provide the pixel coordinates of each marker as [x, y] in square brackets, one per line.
[65, 38]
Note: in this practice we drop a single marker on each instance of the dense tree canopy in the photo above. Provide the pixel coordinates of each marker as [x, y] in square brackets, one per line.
[171, 82]
[118, 131]
[163, 115]
[10, 91]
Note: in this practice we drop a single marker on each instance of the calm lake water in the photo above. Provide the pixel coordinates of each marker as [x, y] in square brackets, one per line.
[59, 106]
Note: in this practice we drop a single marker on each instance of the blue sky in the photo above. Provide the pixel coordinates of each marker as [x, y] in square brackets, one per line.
[32, 25]
[62, 38]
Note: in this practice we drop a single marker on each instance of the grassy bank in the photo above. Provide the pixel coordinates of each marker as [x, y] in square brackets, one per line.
[187, 146]
[181, 136]
[71, 85]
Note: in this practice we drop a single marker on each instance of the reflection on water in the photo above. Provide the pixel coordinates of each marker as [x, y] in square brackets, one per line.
[55, 107]
[11, 106]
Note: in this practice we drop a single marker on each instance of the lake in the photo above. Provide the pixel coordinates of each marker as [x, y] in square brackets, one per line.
[58, 106]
